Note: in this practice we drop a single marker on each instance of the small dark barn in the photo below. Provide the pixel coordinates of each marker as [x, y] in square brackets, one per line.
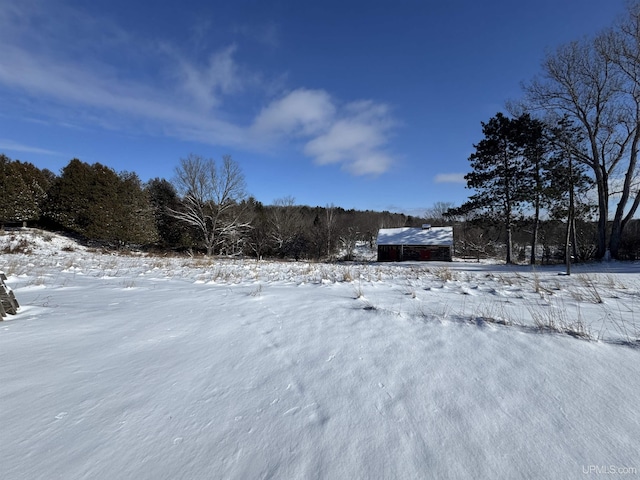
[416, 244]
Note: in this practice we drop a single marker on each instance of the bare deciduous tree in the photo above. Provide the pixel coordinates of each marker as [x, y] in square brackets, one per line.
[595, 83]
[211, 196]
[330, 217]
[438, 211]
[349, 240]
[578, 83]
[622, 46]
[286, 223]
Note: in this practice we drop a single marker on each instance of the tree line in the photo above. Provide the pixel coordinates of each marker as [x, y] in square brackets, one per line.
[204, 209]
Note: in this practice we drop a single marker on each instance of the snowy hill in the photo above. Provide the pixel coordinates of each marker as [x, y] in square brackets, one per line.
[151, 368]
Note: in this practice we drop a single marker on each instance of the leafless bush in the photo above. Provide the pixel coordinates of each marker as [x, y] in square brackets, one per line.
[15, 245]
[504, 279]
[445, 274]
[492, 312]
[557, 320]
[347, 275]
[590, 292]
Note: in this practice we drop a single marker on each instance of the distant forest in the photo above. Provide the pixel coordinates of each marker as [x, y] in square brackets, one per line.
[205, 210]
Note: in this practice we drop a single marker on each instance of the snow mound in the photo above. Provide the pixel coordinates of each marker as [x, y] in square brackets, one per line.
[35, 241]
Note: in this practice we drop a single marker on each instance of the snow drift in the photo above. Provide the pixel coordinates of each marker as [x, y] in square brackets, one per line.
[149, 368]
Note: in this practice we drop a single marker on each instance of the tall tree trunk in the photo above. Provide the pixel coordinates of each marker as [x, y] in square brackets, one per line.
[509, 222]
[534, 234]
[570, 221]
[567, 247]
[509, 244]
[603, 213]
[536, 219]
[620, 220]
[507, 202]
[575, 250]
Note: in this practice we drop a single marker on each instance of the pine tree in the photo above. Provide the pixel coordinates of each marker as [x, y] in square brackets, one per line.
[103, 205]
[37, 183]
[70, 195]
[134, 213]
[530, 137]
[568, 183]
[17, 204]
[498, 175]
[164, 199]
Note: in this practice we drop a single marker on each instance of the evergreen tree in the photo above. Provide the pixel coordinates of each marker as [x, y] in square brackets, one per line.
[498, 175]
[569, 183]
[103, 205]
[531, 139]
[134, 213]
[95, 201]
[37, 183]
[69, 197]
[18, 203]
[164, 199]
[24, 190]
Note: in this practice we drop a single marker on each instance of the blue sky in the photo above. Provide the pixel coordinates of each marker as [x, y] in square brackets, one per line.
[361, 104]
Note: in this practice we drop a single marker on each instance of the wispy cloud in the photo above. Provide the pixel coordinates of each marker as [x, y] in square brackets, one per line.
[207, 85]
[267, 34]
[11, 146]
[102, 72]
[450, 178]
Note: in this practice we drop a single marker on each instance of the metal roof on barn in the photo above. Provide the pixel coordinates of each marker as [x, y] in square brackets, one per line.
[416, 236]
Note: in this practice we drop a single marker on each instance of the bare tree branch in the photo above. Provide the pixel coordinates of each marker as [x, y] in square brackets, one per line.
[211, 196]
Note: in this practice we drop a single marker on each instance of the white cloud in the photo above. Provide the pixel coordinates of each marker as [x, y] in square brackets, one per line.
[450, 178]
[301, 112]
[356, 141]
[369, 163]
[353, 135]
[344, 138]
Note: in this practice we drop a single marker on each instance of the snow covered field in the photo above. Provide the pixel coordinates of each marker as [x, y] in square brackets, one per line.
[134, 367]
